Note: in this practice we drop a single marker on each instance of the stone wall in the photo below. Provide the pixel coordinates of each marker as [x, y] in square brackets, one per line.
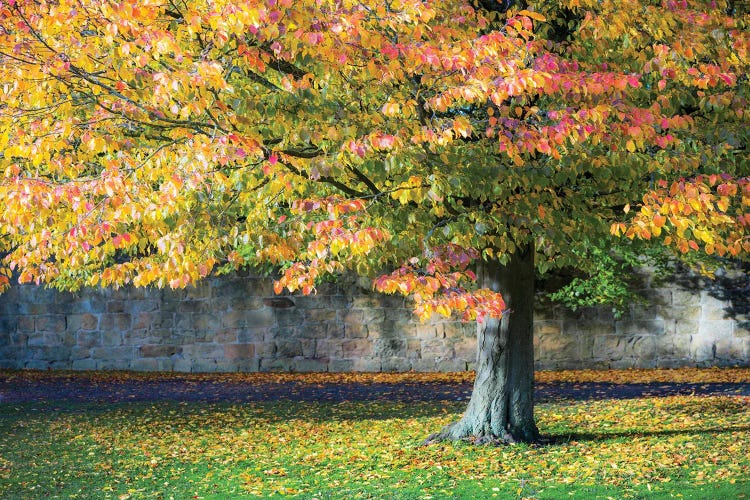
[237, 324]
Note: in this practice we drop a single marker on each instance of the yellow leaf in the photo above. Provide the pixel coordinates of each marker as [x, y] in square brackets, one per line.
[533, 15]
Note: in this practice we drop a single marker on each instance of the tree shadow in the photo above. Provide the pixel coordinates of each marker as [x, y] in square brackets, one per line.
[596, 437]
[731, 284]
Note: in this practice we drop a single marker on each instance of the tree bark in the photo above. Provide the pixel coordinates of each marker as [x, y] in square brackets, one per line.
[501, 408]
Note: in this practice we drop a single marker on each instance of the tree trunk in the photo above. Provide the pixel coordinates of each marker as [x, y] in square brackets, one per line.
[501, 409]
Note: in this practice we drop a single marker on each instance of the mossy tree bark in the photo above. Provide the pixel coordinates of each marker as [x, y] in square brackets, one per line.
[501, 408]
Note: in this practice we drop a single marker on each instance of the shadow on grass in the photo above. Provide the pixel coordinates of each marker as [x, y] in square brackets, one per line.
[560, 439]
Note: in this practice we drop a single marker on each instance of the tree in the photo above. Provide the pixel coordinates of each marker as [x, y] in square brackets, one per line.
[446, 149]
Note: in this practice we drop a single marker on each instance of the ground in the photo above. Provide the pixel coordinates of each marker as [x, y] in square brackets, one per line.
[28, 386]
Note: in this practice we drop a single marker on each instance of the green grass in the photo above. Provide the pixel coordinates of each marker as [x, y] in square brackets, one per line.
[689, 447]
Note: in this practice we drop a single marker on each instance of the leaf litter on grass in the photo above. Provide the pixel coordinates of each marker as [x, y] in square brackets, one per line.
[359, 449]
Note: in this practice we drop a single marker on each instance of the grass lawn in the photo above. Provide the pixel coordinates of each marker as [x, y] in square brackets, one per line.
[672, 447]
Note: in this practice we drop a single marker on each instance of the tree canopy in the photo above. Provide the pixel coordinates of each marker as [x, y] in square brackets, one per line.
[156, 142]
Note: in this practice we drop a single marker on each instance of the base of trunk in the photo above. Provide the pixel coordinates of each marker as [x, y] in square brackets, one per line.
[484, 433]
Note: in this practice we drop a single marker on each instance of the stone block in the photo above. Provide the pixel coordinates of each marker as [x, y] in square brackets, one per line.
[329, 348]
[668, 363]
[424, 365]
[111, 338]
[247, 365]
[303, 365]
[25, 324]
[183, 365]
[314, 330]
[159, 351]
[10, 306]
[88, 339]
[685, 298]
[19, 339]
[717, 328]
[337, 330]
[354, 325]
[144, 364]
[356, 348]
[290, 317]
[456, 330]
[239, 351]
[395, 364]
[616, 347]
[142, 320]
[135, 294]
[686, 327]
[203, 336]
[647, 311]
[93, 304]
[713, 308]
[320, 315]
[366, 364]
[48, 352]
[183, 322]
[308, 347]
[50, 324]
[114, 321]
[84, 364]
[389, 347]
[119, 364]
[426, 331]
[245, 335]
[111, 354]
[373, 316]
[79, 353]
[549, 327]
[466, 350]
[556, 347]
[260, 318]
[231, 289]
[233, 319]
[137, 337]
[684, 313]
[276, 365]
[205, 366]
[729, 350]
[208, 322]
[8, 324]
[435, 350]
[160, 320]
[341, 365]
[141, 306]
[36, 364]
[628, 363]
[226, 335]
[639, 327]
[265, 350]
[203, 352]
[288, 349]
[84, 321]
[116, 306]
[702, 348]
[360, 331]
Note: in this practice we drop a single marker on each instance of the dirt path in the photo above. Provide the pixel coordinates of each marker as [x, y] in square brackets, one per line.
[168, 388]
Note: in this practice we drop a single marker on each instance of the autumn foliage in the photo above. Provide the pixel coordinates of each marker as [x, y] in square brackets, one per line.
[156, 142]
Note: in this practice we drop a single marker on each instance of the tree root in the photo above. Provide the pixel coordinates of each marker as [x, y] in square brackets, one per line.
[459, 432]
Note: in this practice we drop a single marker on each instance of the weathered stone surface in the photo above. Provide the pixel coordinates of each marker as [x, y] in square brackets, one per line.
[159, 351]
[227, 324]
[302, 365]
[239, 351]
